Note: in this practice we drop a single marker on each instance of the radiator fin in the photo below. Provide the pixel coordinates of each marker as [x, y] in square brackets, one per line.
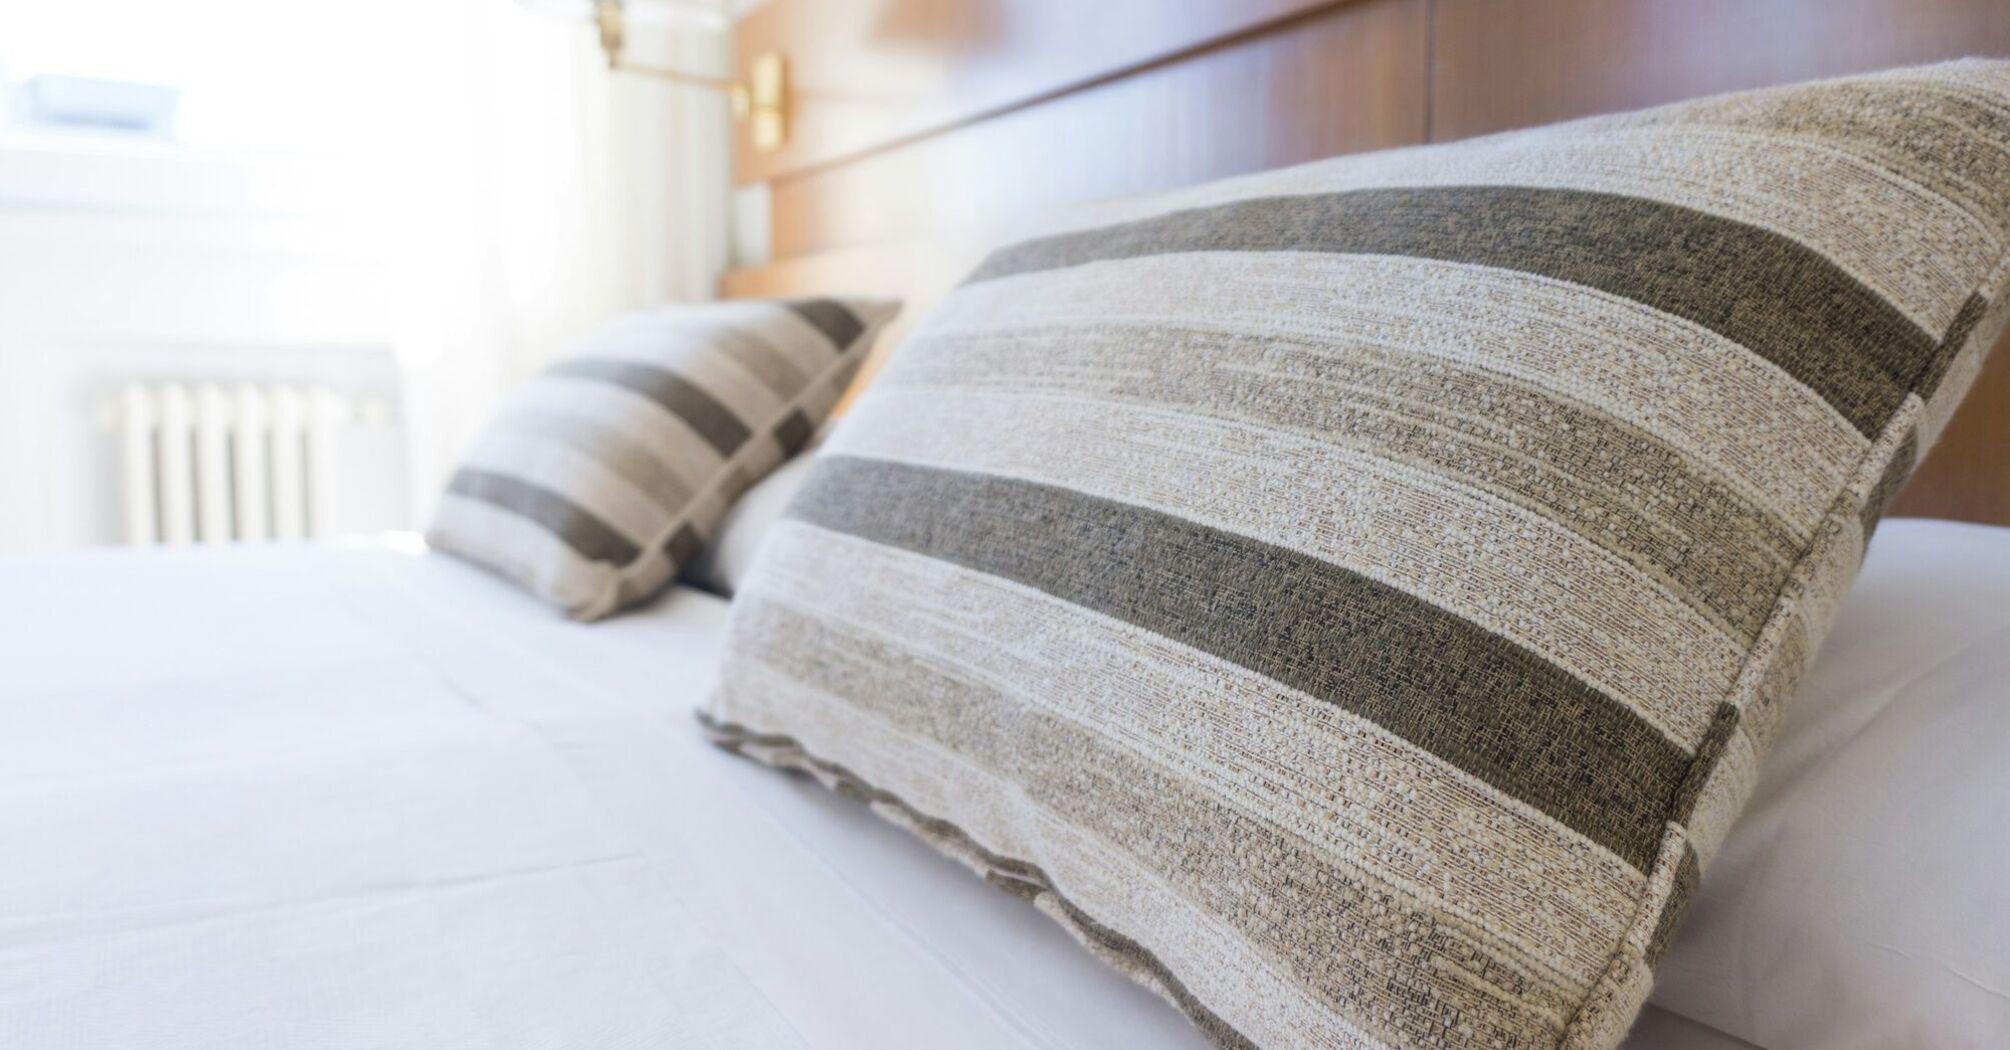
[214, 465]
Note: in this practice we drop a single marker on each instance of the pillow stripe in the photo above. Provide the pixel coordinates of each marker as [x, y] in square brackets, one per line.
[1347, 639]
[633, 462]
[679, 396]
[832, 318]
[1355, 599]
[587, 535]
[1622, 630]
[1791, 185]
[1095, 784]
[516, 547]
[1818, 322]
[606, 472]
[1736, 414]
[1344, 773]
[1485, 430]
[793, 433]
[763, 359]
[683, 544]
[1951, 143]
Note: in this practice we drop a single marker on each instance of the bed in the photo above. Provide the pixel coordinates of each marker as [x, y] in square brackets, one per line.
[364, 795]
[360, 795]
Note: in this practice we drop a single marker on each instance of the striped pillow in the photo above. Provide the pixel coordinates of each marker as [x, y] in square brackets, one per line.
[605, 474]
[1354, 599]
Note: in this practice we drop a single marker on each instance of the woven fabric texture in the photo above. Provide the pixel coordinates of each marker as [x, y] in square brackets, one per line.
[1354, 599]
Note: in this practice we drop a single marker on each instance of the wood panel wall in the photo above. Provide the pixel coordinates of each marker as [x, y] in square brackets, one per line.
[924, 129]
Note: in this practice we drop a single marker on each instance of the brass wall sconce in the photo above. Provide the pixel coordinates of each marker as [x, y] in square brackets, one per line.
[760, 100]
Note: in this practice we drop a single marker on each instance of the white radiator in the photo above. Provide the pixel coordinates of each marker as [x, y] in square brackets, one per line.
[215, 464]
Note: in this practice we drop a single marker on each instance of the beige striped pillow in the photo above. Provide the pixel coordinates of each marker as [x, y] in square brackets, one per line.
[606, 473]
[1354, 599]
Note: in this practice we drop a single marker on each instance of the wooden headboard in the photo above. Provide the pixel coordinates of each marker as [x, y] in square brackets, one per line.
[920, 128]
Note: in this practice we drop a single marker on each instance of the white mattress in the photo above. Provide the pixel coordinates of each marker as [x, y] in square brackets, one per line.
[350, 797]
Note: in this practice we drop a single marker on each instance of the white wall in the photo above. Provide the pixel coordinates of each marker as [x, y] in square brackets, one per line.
[422, 199]
[141, 261]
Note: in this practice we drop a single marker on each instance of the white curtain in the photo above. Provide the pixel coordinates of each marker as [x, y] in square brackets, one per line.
[535, 194]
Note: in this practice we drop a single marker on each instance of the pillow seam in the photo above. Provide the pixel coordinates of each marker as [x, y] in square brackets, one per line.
[1584, 1026]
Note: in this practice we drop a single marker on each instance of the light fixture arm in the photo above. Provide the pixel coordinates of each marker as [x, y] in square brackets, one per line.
[614, 39]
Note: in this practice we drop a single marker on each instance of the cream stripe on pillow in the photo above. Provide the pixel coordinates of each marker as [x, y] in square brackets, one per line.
[606, 473]
[1354, 599]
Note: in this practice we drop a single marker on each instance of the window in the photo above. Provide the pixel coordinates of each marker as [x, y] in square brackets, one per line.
[306, 76]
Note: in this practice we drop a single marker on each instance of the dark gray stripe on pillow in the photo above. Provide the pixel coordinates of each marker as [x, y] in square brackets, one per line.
[679, 396]
[1469, 696]
[793, 433]
[683, 545]
[1775, 296]
[838, 324]
[1726, 554]
[1206, 846]
[608, 445]
[587, 535]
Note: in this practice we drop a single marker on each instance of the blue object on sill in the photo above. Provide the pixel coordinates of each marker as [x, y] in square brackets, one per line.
[100, 105]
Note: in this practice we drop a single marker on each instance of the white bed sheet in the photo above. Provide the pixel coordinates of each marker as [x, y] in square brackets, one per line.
[1861, 901]
[347, 797]
[300, 797]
